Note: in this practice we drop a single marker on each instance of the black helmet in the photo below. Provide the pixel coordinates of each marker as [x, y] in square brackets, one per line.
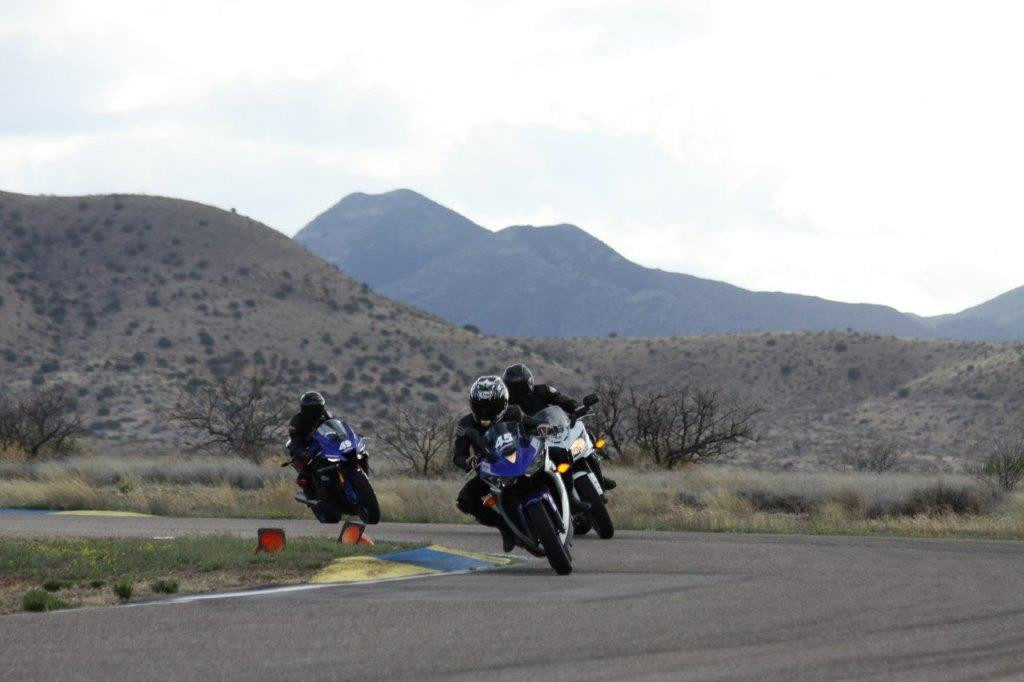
[519, 380]
[312, 403]
[488, 399]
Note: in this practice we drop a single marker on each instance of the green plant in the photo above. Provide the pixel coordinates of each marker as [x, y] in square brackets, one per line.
[123, 589]
[40, 600]
[55, 585]
[164, 586]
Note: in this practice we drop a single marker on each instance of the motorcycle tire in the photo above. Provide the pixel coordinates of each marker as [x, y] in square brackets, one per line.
[324, 514]
[540, 521]
[369, 508]
[581, 525]
[598, 511]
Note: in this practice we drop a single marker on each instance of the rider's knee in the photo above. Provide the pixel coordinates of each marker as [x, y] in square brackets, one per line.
[464, 504]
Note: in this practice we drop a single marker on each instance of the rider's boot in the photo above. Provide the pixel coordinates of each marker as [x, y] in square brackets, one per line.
[608, 484]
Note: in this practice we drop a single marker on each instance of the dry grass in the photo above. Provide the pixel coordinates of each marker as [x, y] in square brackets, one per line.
[695, 498]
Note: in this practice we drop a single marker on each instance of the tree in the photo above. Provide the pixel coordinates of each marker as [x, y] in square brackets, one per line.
[44, 421]
[423, 439]
[706, 427]
[688, 425]
[611, 413]
[238, 413]
[652, 423]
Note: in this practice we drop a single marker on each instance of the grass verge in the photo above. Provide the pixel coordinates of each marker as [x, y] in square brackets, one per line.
[45, 574]
[706, 498]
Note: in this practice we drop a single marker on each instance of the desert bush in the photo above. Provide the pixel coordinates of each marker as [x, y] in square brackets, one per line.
[874, 453]
[669, 428]
[164, 586]
[123, 589]
[41, 422]
[688, 425]
[422, 439]
[40, 600]
[1004, 467]
[238, 414]
[773, 501]
[942, 498]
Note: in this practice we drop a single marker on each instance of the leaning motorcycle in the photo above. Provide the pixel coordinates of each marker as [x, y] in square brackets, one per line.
[336, 460]
[571, 442]
[527, 491]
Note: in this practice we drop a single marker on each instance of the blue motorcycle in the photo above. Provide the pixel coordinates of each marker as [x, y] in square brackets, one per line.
[338, 465]
[528, 492]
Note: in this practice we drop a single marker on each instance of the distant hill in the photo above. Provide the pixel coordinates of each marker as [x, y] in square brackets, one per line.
[999, 319]
[553, 281]
[130, 299]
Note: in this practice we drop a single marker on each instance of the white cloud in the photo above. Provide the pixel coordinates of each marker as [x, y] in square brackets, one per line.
[862, 151]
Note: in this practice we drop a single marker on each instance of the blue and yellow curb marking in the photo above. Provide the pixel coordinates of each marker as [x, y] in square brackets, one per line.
[432, 560]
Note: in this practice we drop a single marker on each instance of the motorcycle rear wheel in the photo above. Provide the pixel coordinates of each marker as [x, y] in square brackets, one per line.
[581, 525]
[598, 511]
[540, 520]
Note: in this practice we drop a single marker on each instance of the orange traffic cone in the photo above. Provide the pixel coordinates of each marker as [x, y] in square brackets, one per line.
[354, 533]
[269, 540]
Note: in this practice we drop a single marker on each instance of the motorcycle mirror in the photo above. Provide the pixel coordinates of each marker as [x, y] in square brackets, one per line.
[591, 400]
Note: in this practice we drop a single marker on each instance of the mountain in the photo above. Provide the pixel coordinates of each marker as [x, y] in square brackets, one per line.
[553, 281]
[999, 319]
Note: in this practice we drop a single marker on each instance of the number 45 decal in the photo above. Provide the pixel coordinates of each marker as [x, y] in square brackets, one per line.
[503, 440]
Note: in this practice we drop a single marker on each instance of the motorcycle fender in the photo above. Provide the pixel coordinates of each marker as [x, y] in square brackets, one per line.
[350, 492]
[597, 485]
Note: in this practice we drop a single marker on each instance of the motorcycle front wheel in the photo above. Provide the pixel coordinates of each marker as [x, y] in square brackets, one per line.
[369, 508]
[556, 553]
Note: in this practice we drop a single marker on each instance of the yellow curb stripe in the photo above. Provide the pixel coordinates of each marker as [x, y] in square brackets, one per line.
[89, 512]
[362, 568]
[488, 558]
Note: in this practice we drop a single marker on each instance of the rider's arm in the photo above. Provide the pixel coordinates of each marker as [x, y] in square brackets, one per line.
[551, 395]
[463, 451]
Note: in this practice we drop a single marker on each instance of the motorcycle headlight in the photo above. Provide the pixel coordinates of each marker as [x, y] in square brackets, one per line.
[535, 465]
[578, 446]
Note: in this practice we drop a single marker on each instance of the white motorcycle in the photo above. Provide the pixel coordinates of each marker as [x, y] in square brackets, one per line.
[570, 443]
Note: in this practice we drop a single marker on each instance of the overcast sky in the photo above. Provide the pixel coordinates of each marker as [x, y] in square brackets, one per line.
[861, 151]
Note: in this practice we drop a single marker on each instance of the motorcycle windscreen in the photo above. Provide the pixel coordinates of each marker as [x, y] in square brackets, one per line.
[508, 452]
[554, 416]
[333, 438]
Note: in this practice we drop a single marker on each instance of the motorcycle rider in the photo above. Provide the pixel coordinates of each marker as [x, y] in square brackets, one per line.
[312, 413]
[532, 398]
[489, 405]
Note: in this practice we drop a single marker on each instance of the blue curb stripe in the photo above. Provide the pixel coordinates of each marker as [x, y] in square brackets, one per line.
[438, 561]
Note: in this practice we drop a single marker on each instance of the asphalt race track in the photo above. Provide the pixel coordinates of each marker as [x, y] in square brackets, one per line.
[641, 606]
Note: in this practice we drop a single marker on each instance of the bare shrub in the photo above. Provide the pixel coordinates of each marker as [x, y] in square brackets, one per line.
[688, 425]
[779, 502]
[610, 413]
[1004, 467]
[39, 423]
[875, 454]
[423, 439]
[237, 414]
[941, 498]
